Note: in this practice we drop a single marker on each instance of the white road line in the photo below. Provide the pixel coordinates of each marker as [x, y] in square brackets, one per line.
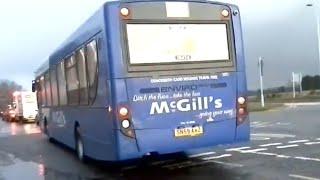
[283, 156]
[274, 135]
[217, 157]
[253, 150]
[287, 146]
[299, 141]
[201, 154]
[228, 164]
[267, 154]
[162, 162]
[307, 158]
[129, 168]
[271, 144]
[178, 164]
[238, 149]
[283, 124]
[262, 124]
[302, 177]
[259, 138]
[311, 143]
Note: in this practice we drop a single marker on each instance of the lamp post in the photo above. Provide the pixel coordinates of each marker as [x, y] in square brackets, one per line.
[316, 8]
[260, 64]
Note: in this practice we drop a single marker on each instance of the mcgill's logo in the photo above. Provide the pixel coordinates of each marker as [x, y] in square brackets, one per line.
[185, 105]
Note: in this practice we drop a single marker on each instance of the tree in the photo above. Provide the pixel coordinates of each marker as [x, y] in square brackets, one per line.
[7, 87]
[311, 82]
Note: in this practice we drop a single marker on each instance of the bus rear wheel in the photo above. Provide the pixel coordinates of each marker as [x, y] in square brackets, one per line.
[46, 130]
[79, 146]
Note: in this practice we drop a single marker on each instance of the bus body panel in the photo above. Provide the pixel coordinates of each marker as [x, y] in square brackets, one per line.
[99, 123]
[164, 107]
[243, 130]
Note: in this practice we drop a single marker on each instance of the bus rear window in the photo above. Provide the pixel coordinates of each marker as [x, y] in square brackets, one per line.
[177, 43]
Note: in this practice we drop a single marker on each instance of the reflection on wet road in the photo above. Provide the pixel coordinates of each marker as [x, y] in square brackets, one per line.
[14, 129]
[285, 145]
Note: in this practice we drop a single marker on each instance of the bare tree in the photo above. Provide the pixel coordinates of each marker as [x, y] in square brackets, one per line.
[7, 87]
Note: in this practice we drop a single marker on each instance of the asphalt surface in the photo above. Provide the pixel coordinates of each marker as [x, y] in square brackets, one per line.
[285, 145]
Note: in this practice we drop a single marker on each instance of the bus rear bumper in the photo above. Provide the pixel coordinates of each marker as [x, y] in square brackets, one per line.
[163, 141]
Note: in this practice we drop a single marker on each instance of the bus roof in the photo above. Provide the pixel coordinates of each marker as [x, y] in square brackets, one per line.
[88, 29]
[43, 68]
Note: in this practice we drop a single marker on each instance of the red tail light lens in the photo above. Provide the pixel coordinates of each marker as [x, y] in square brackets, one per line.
[126, 126]
[242, 110]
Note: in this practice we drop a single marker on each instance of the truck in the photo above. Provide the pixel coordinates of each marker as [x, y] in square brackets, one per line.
[25, 106]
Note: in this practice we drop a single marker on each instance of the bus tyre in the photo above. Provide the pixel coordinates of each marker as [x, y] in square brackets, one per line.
[46, 131]
[79, 146]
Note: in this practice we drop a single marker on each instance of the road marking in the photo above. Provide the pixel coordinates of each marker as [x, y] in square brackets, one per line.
[271, 144]
[307, 158]
[259, 138]
[253, 150]
[128, 168]
[162, 162]
[299, 141]
[261, 124]
[302, 177]
[217, 157]
[273, 154]
[201, 154]
[238, 149]
[267, 154]
[228, 164]
[283, 124]
[311, 143]
[287, 146]
[274, 135]
[180, 164]
[283, 156]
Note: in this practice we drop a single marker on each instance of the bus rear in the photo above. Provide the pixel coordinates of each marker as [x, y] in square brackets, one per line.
[179, 76]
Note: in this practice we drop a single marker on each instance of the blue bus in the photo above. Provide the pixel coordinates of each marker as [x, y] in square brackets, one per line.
[147, 77]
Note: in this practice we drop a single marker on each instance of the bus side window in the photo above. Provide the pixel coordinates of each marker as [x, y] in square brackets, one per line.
[72, 81]
[92, 67]
[54, 88]
[42, 92]
[82, 72]
[48, 88]
[62, 84]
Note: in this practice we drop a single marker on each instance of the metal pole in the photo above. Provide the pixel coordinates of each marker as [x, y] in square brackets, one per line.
[300, 82]
[293, 86]
[261, 81]
[317, 11]
[316, 6]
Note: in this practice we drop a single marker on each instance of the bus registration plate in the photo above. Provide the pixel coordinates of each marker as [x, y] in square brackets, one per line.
[189, 131]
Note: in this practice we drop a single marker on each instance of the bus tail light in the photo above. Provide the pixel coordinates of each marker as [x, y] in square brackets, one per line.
[242, 110]
[125, 13]
[125, 121]
[225, 13]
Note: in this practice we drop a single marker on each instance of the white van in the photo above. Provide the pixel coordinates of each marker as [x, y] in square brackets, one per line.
[25, 104]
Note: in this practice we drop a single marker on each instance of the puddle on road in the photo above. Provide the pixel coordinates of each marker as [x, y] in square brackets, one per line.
[14, 129]
[29, 170]
[22, 170]
[16, 169]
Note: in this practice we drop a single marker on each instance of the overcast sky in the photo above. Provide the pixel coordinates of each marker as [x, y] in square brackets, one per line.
[282, 31]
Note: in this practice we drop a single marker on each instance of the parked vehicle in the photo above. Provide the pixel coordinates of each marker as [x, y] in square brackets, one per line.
[25, 106]
[9, 114]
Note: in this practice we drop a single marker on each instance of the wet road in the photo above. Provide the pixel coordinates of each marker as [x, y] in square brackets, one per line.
[285, 145]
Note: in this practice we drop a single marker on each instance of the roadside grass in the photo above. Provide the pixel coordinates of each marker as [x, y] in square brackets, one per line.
[256, 106]
[278, 100]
